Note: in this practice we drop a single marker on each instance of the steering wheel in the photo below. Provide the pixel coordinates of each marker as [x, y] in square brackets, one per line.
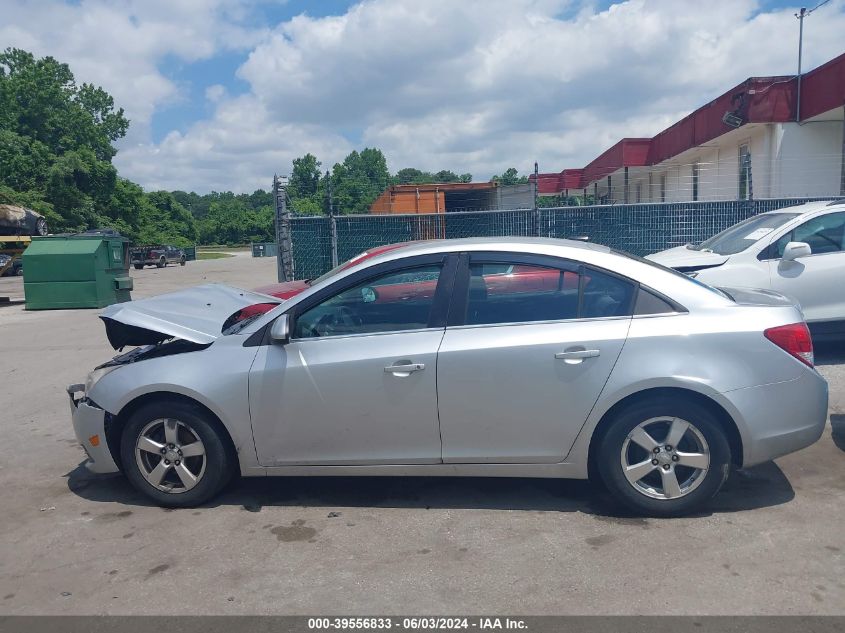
[336, 322]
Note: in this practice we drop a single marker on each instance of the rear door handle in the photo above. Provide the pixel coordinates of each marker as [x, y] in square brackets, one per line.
[404, 369]
[577, 353]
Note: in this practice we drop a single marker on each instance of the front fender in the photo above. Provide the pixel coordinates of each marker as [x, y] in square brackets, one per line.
[218, 379]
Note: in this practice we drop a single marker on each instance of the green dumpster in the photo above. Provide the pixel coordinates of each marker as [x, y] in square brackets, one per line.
[76, 271]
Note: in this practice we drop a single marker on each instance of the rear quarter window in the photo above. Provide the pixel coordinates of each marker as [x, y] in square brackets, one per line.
[650, 303]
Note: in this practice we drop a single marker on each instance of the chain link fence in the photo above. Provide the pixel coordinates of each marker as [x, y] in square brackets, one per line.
[637, 228]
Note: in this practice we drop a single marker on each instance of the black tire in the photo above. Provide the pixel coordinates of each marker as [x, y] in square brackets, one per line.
[161, 263]
[41, 227]
[182, 261]
[609, 456]
[219, 465]
[138, 266]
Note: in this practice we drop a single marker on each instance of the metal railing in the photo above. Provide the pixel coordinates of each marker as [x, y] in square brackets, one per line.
[637, 228]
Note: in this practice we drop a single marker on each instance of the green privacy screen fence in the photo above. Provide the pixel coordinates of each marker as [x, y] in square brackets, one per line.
[636, 228]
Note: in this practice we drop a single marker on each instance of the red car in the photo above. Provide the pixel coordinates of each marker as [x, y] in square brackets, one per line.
[498, 279]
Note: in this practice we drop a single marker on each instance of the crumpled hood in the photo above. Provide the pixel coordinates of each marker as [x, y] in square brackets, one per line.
[683, 258]
[196, 315]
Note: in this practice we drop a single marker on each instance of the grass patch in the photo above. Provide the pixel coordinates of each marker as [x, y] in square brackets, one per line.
[223, 247]
[207, 255]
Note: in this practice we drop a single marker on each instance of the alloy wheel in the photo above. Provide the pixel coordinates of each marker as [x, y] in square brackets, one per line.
[667, 468]
[170, 455]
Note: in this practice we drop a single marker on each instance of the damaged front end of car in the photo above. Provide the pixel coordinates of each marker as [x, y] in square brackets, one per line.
[175, 323]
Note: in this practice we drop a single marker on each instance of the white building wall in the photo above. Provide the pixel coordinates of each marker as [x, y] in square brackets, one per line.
[787, 160]
[808, 159]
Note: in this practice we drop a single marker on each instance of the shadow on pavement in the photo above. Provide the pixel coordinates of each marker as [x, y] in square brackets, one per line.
[832, 353]
[837, 423]
[758, 487]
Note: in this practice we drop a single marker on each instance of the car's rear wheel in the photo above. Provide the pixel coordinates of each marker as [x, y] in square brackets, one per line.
[182, 261]
[138, 266]
[664, 458]
[162, 262]
[174, 453]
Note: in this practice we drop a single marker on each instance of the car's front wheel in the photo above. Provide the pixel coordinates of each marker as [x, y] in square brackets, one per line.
[174, 453]
[664, 458]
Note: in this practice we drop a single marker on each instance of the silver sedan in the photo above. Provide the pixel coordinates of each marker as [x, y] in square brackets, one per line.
[509, 357]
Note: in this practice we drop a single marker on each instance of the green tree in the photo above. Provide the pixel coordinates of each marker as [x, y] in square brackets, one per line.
[39, 99]
[164, 220]
[510, 177]
[56, 142]
[412, 176]
[231, 221]
[304, 177]
[358, 180]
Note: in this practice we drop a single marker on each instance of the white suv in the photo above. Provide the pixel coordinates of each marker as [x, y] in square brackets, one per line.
[797, 251]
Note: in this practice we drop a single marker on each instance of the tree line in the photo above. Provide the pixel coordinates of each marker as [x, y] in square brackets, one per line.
[56, 149]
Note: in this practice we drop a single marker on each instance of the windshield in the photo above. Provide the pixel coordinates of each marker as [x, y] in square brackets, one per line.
[339, 267]
[740, 236]
[331, 273]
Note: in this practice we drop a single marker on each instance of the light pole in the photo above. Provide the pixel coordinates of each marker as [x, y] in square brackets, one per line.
[803, 12]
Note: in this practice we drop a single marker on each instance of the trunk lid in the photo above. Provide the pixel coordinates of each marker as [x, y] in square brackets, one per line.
[759, 297]
[196, 315]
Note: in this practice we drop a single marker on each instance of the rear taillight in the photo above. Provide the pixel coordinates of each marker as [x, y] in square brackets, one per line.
[794, 339]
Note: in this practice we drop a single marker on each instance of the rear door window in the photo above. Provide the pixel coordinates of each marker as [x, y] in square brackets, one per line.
[506, 292]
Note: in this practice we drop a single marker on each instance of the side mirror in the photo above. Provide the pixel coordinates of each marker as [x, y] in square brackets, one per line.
[794, 250]
[280, 330]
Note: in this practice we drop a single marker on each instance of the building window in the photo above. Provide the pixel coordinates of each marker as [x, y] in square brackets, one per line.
[662, 187]
[744, 173]
[639, 192]
[695, 181]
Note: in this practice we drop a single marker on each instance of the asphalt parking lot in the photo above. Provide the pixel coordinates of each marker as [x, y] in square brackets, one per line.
[73, 543]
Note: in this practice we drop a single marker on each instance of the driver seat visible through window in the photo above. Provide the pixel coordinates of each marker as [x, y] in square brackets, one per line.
[394, 302]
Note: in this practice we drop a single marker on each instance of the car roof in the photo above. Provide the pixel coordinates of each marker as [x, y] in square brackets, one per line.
[514, 243]
[811, 207]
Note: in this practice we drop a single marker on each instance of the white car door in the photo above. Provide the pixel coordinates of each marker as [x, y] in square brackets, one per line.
[356, 384]
[817, 281]
[518, 371]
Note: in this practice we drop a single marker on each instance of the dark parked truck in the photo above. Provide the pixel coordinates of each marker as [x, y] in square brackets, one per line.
[159, 256]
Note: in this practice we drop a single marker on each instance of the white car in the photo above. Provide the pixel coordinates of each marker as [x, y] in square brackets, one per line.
[796, 251]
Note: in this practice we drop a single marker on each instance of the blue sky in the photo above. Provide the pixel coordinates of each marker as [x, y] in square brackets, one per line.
[224, 93]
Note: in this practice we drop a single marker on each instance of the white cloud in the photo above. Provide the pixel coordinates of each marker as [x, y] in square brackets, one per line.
[239, 149]
[215, 92]
[470, 86]
[120, 44]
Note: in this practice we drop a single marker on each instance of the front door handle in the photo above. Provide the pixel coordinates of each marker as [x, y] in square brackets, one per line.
[406, 368]
[577, 354]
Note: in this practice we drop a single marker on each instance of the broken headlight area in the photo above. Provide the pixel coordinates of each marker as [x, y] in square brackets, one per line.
[166, 348]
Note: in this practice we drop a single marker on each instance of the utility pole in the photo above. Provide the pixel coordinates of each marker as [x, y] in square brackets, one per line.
[332, 221]
[536, 199]
[284, 245]
[802, 13]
